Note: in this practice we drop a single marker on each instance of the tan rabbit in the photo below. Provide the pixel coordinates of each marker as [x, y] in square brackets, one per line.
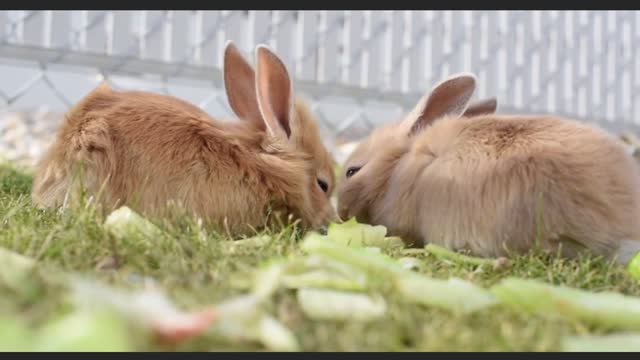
[491, 182]
[147, 150]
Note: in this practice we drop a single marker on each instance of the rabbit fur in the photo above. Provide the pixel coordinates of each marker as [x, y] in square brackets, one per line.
[494, 184]
[149, 151]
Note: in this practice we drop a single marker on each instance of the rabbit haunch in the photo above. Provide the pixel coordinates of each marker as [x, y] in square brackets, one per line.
[148, 150]
[489, 183]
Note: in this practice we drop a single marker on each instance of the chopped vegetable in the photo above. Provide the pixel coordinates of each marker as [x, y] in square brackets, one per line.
[275, 336]
[366, 260]
[188, 326]
[634, 266]
[606, 309]
[242, 319]
[268, 279]
[15, 335]
[625, 342]
[149, 309]
[321, 304]
[316, 262]
[93, 331]
[393, 241]
[238, 319]
[14, 267]
[124, 222]
[410, 263]
[325, 279]
[79, 331]
[14, 260]
[446, 254]
[455, 295]
[353, 234]
[240, 306]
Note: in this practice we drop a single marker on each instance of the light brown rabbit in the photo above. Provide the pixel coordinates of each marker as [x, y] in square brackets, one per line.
[494, 183]
[147, 150]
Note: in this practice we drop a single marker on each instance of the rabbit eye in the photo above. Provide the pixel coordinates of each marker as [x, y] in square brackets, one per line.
[352, 171]
[323, 185]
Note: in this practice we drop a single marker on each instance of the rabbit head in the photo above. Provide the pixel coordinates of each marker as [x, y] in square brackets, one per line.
[370, 167]
[265, 98]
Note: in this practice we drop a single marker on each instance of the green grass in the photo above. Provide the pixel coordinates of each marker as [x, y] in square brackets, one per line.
[196, 272]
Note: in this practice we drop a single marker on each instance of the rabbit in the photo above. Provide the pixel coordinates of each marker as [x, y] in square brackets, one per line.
[494, 185]
[147, 151]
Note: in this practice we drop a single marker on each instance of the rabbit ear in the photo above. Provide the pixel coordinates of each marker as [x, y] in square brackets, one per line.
[450, 97]
[274, 90]
[239, 84]
[483, 107]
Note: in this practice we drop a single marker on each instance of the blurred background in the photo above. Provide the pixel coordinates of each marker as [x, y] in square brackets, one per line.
[357, 68]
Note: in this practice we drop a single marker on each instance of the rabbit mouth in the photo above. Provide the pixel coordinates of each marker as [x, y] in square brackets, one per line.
[343, 213]
[323, 229]
[360, 215]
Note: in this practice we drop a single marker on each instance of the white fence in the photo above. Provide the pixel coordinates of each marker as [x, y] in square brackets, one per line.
[358, 67]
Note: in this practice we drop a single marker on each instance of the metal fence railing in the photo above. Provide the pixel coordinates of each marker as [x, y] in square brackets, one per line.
[357, 67]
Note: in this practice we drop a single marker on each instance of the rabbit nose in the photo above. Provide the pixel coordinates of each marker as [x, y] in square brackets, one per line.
[323, 229]
[326, 216]
[343, 212]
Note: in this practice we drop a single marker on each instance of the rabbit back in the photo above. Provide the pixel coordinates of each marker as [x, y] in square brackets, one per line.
[499, 181]
[145, 150]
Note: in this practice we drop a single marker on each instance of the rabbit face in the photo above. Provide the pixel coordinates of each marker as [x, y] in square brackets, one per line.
[321, 165]
[310, 142]
[367, 170]
[265, 98]
[371, 166]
